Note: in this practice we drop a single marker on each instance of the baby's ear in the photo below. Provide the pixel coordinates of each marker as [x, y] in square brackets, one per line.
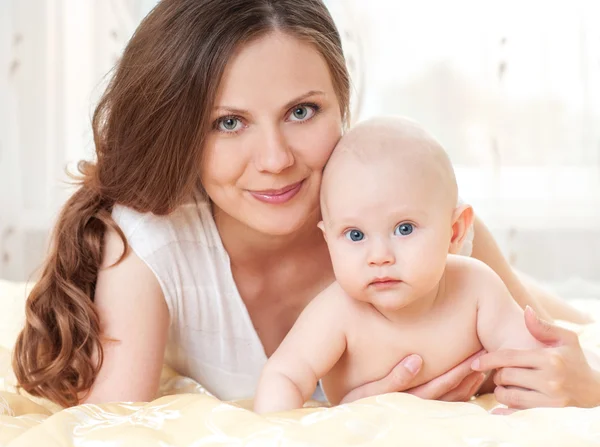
[321, 225]
[462, 219]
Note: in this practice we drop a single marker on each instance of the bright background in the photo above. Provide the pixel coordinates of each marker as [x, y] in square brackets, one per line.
[511, 88]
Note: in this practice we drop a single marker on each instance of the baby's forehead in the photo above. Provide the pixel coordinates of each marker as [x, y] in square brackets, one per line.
[345, 208]
[373, 188]
[359, 184]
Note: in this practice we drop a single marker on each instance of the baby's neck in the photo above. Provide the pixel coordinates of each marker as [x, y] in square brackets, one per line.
[416, 309]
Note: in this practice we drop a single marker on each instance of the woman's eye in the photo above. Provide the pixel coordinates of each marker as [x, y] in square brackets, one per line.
[354, 235]
[403, 229]
[229, 124]
[302, 113]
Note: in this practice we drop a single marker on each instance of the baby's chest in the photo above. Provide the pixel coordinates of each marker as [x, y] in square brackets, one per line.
[376, 349]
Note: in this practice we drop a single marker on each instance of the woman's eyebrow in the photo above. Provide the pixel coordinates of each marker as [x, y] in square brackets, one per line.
[300, 98]
[234, 110]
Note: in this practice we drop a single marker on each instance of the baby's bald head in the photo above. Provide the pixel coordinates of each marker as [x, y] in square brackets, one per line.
[399, 149]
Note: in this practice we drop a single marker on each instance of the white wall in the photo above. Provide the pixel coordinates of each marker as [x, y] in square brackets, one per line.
[53, 60]
[512, 90]
[526, 144]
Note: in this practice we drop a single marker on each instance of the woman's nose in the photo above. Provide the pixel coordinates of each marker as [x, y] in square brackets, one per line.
[273, 153]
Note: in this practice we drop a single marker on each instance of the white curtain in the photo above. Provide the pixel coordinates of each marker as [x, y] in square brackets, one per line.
[512, 89]
[54, 57]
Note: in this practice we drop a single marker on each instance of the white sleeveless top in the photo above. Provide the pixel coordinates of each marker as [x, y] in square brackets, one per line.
[211, 336]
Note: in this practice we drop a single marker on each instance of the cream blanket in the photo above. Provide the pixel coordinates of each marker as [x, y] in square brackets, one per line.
[185, 415]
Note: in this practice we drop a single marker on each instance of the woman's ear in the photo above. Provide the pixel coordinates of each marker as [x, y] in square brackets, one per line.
[462, 219]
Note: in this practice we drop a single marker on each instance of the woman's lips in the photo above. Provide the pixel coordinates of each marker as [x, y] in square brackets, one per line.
[278, 196]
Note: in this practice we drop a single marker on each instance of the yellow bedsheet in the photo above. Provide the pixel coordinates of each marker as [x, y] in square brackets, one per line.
[185, 415]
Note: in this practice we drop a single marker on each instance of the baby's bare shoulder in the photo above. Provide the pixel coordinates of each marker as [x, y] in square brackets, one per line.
[469, 276]
[333, 296]
[458, 266]
[331, 293]
[335, 300]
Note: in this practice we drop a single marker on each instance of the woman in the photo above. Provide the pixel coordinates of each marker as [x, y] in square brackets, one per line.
[193, 238]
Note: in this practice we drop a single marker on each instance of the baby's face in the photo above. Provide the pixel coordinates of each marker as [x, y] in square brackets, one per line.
[388, 231]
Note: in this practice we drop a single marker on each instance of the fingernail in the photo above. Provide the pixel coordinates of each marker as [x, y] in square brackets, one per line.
[475, 364]
[413, 363]
[529, 309]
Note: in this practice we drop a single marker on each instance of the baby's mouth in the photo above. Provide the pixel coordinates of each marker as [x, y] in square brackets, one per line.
[385, 282]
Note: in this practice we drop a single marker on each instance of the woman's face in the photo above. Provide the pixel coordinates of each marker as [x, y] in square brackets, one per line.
[275, 120]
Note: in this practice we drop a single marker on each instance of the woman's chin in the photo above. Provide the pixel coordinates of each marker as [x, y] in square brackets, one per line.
[286, 222]
[279, 227]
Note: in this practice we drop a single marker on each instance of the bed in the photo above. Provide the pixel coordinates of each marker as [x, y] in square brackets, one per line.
[185, 414]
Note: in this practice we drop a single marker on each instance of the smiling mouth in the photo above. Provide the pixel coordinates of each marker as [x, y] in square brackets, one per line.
[277, 192]
[278, 196]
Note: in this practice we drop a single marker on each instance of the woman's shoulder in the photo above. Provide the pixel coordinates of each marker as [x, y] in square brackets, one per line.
[148, 232]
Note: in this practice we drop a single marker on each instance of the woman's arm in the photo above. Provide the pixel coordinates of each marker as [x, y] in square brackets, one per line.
[556, 375]
[524, 290]
[556, 307]
[133, 311]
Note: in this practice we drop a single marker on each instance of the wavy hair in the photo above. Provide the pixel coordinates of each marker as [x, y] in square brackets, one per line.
[149, 128]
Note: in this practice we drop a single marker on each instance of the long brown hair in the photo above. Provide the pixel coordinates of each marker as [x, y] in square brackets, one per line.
[149, 128]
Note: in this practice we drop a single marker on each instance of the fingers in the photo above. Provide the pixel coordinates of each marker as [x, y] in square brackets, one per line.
[401, 375]
[519, 377]
[516, 398]
[467, 388]
[509, 358]
[445, 383]
[548, 333]
[470, 359]
[397, 380]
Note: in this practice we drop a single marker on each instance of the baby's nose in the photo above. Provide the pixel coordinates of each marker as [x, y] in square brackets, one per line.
[380, 253]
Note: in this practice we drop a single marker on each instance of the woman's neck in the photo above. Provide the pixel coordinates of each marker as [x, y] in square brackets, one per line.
[247, 247]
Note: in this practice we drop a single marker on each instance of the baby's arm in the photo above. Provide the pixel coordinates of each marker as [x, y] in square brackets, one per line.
[311, 348]
[500, 320]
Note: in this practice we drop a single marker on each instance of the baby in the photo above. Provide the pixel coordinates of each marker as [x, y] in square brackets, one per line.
[390, 217]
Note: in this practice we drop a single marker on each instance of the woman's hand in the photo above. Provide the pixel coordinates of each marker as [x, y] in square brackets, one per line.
[458, 384]
[555, 376]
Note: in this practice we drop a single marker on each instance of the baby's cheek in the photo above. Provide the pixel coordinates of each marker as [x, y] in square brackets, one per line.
[340, 266]
[433, 271]
[347, 269]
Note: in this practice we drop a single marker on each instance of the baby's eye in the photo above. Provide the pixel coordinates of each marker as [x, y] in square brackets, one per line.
[354, 235]
[404, 229]
[229, 124]
[302, 112]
